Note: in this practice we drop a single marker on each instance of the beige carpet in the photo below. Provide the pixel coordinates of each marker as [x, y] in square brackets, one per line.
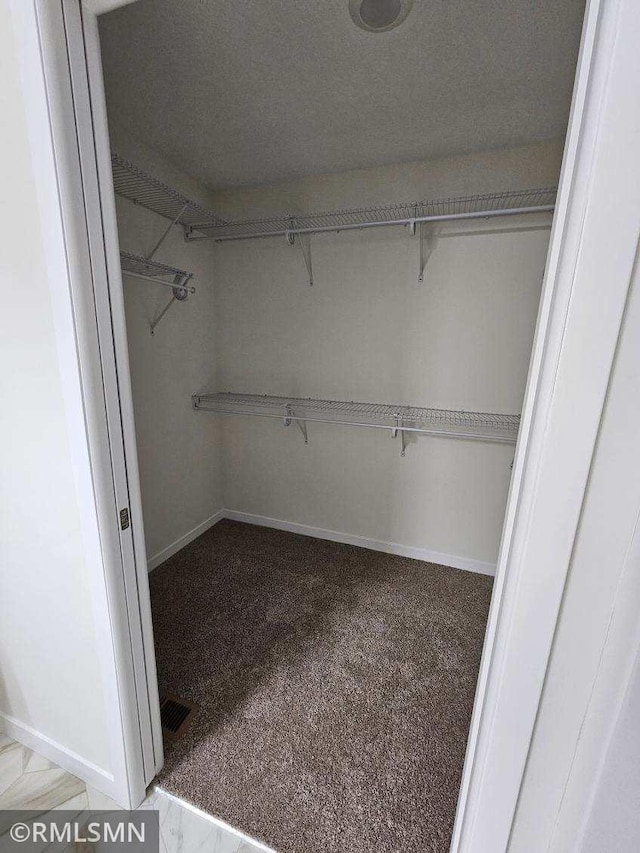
[335, 687]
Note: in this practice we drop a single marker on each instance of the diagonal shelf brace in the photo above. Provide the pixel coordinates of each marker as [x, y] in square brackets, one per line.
[290, 416]
[304, 242]
[302, 426]
[165, 234]
[180, 293]
[427, 236]
[156, 320]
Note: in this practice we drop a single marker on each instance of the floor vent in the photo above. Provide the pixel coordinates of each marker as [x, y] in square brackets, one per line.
[175, 714]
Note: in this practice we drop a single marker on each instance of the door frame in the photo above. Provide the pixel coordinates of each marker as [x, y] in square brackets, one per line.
[67, 34]
[560, 418]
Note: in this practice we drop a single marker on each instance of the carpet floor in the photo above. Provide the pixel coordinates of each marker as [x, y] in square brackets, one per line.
[334, 684]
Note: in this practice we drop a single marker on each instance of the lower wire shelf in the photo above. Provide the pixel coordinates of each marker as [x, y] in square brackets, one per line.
[481, 426]
[156, 273]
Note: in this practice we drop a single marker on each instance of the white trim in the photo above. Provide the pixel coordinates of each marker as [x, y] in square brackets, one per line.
[236, 833]
[91, 119]
[87, 264]
[182, 541]
[467, 564]
[58, 754]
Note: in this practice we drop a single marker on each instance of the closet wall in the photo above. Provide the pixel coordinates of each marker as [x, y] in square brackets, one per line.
[367, 330]
[178, 451]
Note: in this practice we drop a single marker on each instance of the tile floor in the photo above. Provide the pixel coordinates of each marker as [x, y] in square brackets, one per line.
[29, 781]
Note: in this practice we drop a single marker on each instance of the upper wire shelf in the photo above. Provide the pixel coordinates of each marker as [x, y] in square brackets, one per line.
[410, 213]
[132, 183]
[482, 426]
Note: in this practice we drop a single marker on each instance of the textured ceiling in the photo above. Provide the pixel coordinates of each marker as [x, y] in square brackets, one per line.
[248, 92]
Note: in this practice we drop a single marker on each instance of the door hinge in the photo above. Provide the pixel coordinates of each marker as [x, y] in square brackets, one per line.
[124, 518]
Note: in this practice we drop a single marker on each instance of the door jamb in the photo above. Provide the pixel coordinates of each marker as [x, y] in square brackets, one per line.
[70, 59]
[95, 162]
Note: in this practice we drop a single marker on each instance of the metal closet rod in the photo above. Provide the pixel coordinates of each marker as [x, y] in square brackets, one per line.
[357, 226]
[153, 280]
[400, 427]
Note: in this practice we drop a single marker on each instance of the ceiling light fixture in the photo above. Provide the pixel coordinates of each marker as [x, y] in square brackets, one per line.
[379, 16]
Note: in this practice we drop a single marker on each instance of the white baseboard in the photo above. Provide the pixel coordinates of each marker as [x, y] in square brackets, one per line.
[57, 754]
[180, 543]
[465, 563]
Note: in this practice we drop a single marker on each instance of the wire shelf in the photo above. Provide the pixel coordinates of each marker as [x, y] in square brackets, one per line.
[132, 183]
[457, 424]
[466, 207]
[147, 268]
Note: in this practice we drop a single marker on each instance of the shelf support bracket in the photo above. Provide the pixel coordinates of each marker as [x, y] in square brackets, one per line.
[304, 242]
[302, 426]
[289, 418]
[427, 237]
[427, 245]
[397, 429]
[165, 233]
[180, 293]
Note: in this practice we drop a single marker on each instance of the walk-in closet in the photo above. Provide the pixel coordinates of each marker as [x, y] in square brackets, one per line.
[333, 222]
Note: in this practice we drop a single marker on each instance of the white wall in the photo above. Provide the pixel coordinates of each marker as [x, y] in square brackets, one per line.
[368, 331]
[178, 451]
[50, 670]
[535, 165]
